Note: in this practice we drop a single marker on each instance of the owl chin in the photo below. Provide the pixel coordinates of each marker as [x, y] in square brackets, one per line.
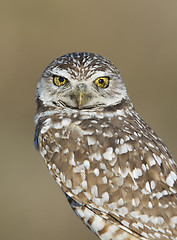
[76, 107]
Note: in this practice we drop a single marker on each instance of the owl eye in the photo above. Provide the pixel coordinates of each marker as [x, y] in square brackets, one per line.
[59, 81]
[102, 82]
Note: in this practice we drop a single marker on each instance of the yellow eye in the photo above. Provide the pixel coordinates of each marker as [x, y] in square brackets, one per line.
[59, 81]
[102, 82]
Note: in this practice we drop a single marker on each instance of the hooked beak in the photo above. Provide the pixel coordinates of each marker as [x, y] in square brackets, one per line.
[80, 99]
[80, 95]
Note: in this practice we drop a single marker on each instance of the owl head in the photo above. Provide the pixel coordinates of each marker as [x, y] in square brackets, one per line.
[81, 81]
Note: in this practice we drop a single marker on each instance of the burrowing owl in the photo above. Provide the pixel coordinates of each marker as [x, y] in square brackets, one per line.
[117, 174]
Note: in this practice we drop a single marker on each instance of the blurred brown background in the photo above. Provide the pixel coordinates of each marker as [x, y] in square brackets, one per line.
[140, 37]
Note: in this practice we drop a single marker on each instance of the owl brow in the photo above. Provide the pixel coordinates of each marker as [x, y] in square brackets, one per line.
[100, 74]
[63, 73]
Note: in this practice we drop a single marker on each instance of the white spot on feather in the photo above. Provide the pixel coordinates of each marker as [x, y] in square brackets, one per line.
[121, 141]
[113, 206]
[130, 147]
[94, 191]
[144, 167]
[105, 180]
[47, 125]
[134, 214]
[69, 183]
[157, 235]
[87, 194]
[168, 231]
[161, 230]
[125, 223]
[98, 201]
[144, 218]
[66, 151]
[151, 161]
[96, 156]
[169, 180]
[144, 235]
[91, 140]
[127, 138]
[156, 220]
[135, 202]
[109, 155]
[105, 196]
[150, 205]
[87, 164]
[76, 190]
[71, 161]
[84, 185]
[66, 121]
[123, 148]
[152, 185]
[137, 172]
[148, 187]
[123, 210]
[98, 223]
[53, 166]
[174, 219]
[57, 125]
[57, 135]
[44, 152]
[96, 172]
[49, 166]
[157, 158]
[121, 202]
[103, 166]
[135, 225]
[88, 214]
[88, 132]
[117, 151]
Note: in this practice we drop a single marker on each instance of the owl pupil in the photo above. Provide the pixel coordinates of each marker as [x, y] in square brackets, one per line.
[61, 79]
[101, 81]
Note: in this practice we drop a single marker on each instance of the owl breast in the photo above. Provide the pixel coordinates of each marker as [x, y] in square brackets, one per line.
[83, 155]
[101, 164]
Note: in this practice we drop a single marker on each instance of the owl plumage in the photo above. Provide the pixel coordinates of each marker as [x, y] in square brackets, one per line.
[115, 171]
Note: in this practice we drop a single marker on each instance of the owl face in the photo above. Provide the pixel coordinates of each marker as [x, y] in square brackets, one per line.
[81, 81]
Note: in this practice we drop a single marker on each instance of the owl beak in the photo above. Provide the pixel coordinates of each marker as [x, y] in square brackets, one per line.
[80, 95]
[80, 99]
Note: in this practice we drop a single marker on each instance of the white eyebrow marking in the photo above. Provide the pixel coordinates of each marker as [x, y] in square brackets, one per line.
[60, 72]
[100, 74]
